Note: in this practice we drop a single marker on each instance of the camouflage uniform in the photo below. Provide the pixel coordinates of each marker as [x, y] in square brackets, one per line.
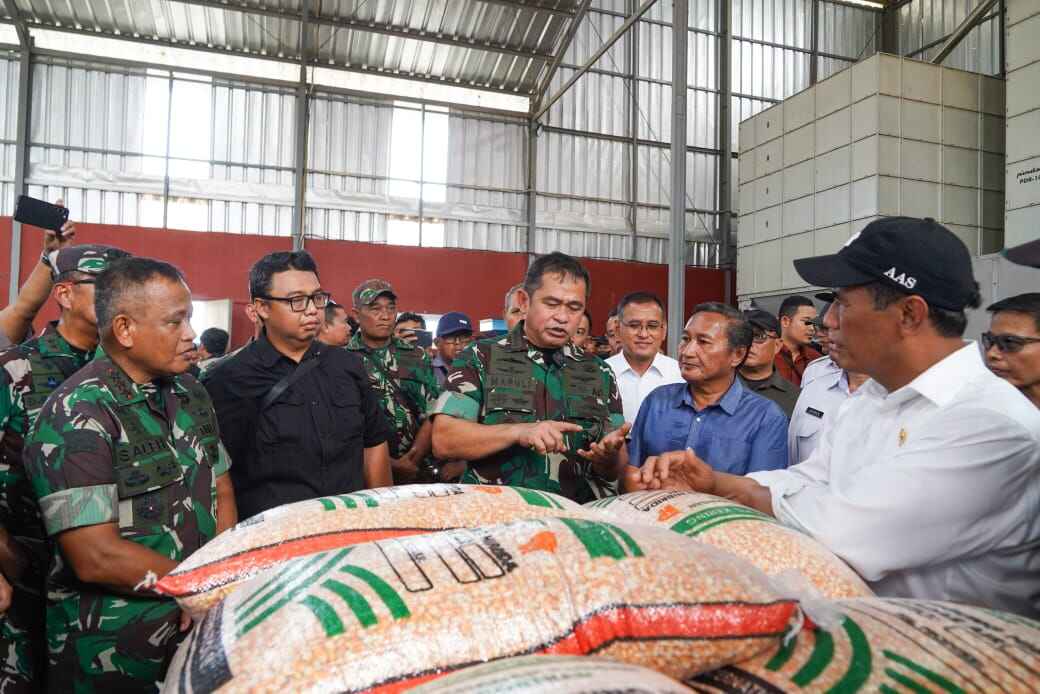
[507, 380]
[107, 450]
[412, 371]
[29, 372]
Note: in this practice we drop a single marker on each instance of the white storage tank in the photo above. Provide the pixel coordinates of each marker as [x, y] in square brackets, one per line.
[887, 136]
[1023, 122]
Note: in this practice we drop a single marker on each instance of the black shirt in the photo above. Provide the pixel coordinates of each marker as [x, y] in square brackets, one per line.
[310, 442]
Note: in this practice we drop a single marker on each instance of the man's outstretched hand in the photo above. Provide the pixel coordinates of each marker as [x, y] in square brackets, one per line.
[678, 470]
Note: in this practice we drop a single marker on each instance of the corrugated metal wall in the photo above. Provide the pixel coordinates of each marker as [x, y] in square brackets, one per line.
[589, 207]
[100, 136]
[925, 24]
[8, 129]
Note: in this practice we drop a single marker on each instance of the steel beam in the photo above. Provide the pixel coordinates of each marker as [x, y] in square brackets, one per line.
[565, 44]
[969, 23]
[814, 41]
[677, 237]
[372, 27]
[426, 79]
[302, 123]
[534, 6]
[21, 141]
[611, 40]
[633, 131]
[11, 7]
[532, 184]
[725, 82]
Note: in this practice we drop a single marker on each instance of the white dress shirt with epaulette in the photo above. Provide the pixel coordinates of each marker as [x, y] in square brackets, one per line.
[931, 491]
[825, 386]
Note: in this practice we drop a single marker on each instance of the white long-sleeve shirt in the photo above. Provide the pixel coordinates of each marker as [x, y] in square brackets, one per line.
[634, 388]
[931, 491]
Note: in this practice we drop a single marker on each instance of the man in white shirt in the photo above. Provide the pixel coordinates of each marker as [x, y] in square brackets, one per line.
[825, 386]
[640, 367]
[927, 481]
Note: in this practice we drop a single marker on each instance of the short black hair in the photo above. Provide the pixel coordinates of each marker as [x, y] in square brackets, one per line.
[613, 313]
[638, 298]
[791, 304]
[215, 341]
[330, 310]
[1028, 304]
[354, 325]
[588, 316]
[409, 317]
[263, 270]
[124, 278]
[946, 322]
[555, 263]
[739, 332]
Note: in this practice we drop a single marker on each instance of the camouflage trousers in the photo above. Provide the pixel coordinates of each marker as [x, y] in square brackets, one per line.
[109, 644]
[22, 644]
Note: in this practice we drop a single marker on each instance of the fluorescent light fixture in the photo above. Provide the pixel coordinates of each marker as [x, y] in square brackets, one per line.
[870, 4]
[176, 58]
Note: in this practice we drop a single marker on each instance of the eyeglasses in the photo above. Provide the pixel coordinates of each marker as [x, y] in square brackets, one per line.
[638, 327]
[1007, 343]
[759, 338]
[457, 340]
[299, 303]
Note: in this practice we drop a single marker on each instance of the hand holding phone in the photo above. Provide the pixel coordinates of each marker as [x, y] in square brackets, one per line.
[40, 213]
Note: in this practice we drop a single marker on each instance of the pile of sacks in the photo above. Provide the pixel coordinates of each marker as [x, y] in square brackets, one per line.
[455, 588]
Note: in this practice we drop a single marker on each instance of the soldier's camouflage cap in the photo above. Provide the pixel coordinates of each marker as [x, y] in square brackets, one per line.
[91, 259]
[370, 290]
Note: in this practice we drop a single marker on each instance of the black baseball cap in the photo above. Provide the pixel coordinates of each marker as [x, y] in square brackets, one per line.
[1026, 254]
[763, 320]
[915, 256]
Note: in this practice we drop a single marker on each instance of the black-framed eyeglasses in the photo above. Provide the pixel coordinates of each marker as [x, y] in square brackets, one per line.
[758, 338]
[1007, 343]
[299, 303]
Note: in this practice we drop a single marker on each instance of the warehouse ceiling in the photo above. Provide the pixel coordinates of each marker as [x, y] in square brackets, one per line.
[505, 46]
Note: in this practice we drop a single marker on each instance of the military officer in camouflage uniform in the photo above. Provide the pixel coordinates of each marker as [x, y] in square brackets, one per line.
[402, 376]
[530, 410]
[126, 461]
[29, 372]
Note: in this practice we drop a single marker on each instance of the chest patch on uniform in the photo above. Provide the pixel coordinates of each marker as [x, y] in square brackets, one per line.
[52, 382]
[814, 412]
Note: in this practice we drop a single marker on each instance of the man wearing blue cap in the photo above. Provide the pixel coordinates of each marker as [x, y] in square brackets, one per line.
[454, 334]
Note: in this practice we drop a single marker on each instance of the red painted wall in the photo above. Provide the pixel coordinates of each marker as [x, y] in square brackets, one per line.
[427, 280]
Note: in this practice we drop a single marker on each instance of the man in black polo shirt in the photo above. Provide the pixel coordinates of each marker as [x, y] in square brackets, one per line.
[759, 371]
[298, 418]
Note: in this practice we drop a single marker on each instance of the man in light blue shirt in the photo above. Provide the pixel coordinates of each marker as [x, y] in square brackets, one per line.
[730, 428]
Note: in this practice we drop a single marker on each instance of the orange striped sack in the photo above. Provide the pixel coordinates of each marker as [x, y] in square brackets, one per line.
[388, 615]
[753, 535]
[895, 645]
[331, 522]
[554, 674]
